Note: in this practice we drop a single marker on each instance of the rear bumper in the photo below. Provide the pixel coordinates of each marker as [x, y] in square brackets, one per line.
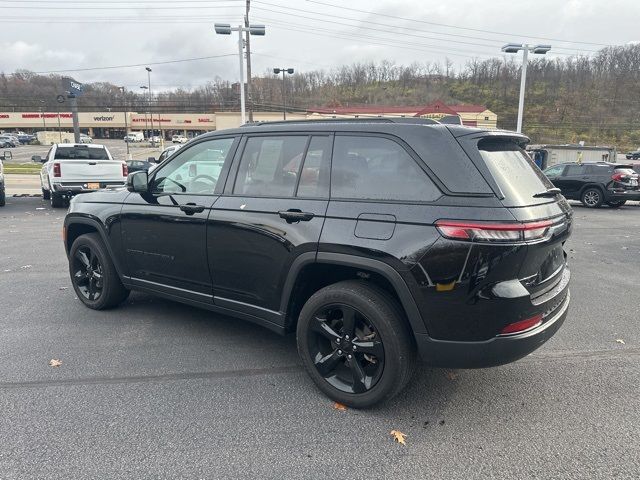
[496, 351]
[72, 188]
[626, 195]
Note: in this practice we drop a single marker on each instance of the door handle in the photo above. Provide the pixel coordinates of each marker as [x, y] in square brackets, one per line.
[294, 215]
[191, 208]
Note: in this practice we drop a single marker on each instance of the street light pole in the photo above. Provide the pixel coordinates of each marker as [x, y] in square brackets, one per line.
[44, 122]
[146, 120]
[284, 97]
[226, 29]
[515, 48]
[126, 127]
[150, 112]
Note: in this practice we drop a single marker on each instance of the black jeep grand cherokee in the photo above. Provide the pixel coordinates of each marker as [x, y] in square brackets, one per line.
[373, 240]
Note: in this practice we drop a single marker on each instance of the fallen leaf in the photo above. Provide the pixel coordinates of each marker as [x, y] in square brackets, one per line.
[441, 422]
[619, 340]
[451, 375]
[339, 406]
[398, 436]
[55, 363]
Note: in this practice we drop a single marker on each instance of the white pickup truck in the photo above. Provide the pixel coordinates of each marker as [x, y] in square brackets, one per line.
[72, 168]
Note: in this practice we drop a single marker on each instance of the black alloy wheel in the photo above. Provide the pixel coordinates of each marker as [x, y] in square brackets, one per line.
[345, 348]
[355, 343]
[88, 273]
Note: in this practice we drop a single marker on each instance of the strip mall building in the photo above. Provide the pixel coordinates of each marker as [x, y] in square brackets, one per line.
[116, 124]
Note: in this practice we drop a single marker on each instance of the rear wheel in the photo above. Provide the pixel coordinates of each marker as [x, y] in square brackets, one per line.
[3, 198]
[93, 274]
[592, 197]
[57, 200]
[617, 204]
[355, 344]
[46, 194]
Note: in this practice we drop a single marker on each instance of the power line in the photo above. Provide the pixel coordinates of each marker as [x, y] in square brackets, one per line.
[451, 26]
[111, 67]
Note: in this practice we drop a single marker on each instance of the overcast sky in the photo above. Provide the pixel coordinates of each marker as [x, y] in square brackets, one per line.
[53, 35]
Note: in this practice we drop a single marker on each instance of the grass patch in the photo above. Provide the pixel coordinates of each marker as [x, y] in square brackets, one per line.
[24, 168]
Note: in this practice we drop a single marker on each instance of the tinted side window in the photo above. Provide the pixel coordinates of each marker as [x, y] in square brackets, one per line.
[316, 169]
[375, 168]
[599, 169]
[194, 170]
[573, 170]
[270, 165]
[554, 171]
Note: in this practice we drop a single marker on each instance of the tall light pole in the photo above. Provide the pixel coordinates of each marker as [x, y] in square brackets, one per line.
[284, 97]
[126, 127]
[226, 29]
[515, 48]
[146, 124]
[150, 112]
[44, 122]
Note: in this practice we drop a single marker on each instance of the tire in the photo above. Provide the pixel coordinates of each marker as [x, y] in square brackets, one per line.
[56, 200]
[380, 327]
[617, 204]
[93, 275]
[46, 194]
[592, 197]
[3, 198]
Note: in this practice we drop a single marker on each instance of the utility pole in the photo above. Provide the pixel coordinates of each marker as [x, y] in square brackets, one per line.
[150, 112]
[74, 112]
[126, 127]
[248, 43]
[44, 122]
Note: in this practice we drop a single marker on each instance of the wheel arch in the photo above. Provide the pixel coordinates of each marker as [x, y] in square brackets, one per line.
[76, 226]
[310, 272]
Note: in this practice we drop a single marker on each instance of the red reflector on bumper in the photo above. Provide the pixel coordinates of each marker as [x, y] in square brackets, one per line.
[522, 325]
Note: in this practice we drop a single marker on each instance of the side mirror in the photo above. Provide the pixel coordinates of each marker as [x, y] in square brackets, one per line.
[7, 155]
[37, 158]
[151, 159]
[138, 182]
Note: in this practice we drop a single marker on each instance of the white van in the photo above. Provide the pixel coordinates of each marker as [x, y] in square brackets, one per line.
[134, 137]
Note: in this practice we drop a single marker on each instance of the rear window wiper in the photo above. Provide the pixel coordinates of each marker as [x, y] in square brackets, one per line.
[552, 192]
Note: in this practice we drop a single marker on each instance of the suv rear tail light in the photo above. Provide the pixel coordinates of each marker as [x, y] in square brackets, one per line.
[522, 325]
[56, 170]
[492, 231]
[125, 170]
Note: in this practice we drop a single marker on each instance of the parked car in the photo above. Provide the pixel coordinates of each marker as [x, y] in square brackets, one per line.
[596, 183]
[85, 138]
[166, 153]
[361, 236]
[10, 140]
[179, 139]
[138, 165]
[25, 138]
[155, 139]
[633, 155]
[73, 168]
[6, 143]
[2, 188]
[134, 137]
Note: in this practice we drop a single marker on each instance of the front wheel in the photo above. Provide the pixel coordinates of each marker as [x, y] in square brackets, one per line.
[591, 198]
[46, 194]
[3, 198]
[355, 344]
[93, 275]
[617, 204]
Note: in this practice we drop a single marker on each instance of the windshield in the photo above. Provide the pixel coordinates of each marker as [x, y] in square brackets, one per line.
[81, 153]
[515, 173]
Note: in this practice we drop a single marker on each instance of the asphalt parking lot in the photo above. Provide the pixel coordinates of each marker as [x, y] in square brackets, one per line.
[156, 389]
[118, 149]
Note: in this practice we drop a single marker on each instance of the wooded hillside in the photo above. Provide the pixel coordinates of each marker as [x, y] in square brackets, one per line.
[595, 99]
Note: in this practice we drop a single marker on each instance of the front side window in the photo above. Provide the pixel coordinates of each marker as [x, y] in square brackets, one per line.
[195, 170]
[270, 166]
[554, 171]
[374, 168]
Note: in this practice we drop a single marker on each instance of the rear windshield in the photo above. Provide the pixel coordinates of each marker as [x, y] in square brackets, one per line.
[515, 173]
[81, 153]
[625, 171]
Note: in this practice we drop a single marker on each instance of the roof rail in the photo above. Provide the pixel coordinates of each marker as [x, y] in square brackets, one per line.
[403, 120]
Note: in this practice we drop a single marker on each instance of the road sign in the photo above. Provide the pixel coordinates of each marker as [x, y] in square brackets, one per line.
[72, 87]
